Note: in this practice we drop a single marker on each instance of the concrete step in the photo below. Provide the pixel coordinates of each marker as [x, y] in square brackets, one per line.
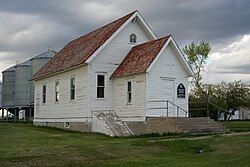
[201, 125]
[198, 122]
[207, 131]
[203, 128]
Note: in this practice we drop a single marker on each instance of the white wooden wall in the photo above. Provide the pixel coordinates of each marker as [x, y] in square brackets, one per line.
[65, 109]
[1, 94]
[168, 67]
[108, 60]
[136, 110]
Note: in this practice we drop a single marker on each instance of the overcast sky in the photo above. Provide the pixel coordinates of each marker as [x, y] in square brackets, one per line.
[29, 27]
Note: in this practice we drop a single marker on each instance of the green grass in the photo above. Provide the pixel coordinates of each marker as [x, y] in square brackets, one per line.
[237, 126]
[26, 145]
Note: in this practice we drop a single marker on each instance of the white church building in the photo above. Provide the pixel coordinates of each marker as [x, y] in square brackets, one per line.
[117, 74]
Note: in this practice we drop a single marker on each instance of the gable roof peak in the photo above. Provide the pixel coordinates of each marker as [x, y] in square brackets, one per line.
[79, 50]
[140, 57]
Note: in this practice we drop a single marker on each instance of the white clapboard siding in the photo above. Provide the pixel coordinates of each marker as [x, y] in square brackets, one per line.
[1, 85]
[65, 109]
[136, 110]
[168, 67]
[108, 60]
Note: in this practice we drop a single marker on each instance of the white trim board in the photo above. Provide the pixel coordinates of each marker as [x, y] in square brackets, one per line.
[191, 73]
[62, 120]
[182, 59]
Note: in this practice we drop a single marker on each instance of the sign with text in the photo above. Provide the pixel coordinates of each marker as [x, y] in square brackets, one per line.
[181, 93]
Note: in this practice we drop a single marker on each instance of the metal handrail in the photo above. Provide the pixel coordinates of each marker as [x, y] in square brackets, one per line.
[167, 106]
[217, 106]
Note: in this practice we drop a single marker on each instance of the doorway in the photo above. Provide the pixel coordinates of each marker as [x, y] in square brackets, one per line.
[167, 93]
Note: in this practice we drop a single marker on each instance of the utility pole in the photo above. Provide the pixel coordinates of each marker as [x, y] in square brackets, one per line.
[7, 116]
[2, 113]
[207, 103]
[15, 115]
[30, 113]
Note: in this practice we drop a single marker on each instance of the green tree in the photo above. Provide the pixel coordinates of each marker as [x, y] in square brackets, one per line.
[197, 55]
[232, 95]
[237, 95]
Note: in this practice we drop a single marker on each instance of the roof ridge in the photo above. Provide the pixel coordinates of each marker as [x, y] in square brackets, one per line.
[43, 53]
[10, 68]
[24, 63]
[103, 26]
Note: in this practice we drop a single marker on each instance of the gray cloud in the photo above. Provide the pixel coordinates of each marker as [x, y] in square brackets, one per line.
[29, 27]
[243, 69]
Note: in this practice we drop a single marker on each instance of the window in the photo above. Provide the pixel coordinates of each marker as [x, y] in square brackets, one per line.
[100, 86]
[129, 93]
[66, 125]
[72, 89]
[133, 38]
[57, 91]
[44, 93]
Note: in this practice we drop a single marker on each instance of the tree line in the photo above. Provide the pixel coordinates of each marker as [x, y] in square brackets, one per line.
[211, 98]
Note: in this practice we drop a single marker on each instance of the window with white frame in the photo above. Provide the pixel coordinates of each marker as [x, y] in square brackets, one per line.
[57, 94]
[100, 85]
[44, 93]
[72, 89]
[129, 92]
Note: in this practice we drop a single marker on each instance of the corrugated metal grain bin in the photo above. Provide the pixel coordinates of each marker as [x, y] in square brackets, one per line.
[37, 63]
[1, 94]
[8, 90]
[22, 85]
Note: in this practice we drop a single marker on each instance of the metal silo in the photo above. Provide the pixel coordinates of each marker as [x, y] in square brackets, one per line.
[1, 95]
[22, 85]
[37, 63]
[8, 90]
[18, 90]
[1, 108]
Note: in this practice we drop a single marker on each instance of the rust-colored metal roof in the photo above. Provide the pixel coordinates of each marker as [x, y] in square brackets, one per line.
[139, 58]
[79, 50]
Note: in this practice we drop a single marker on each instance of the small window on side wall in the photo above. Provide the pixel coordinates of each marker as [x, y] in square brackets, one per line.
[133, 38]
[72, 89]
[44, 94]
[66, 125]
[57, 91]
[100, 86]
[129, 92]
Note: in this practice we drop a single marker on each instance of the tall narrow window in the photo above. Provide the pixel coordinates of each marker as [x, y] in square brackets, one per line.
[100, 86]
[133, 38]
[72, 89]
[44, 93]
[57, 91]
[129, 93]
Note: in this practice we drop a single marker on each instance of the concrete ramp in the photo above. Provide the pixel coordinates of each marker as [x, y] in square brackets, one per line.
[108, 122]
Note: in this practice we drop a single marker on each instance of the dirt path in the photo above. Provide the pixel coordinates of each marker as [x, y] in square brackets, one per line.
[203, 137]
[236, 134]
